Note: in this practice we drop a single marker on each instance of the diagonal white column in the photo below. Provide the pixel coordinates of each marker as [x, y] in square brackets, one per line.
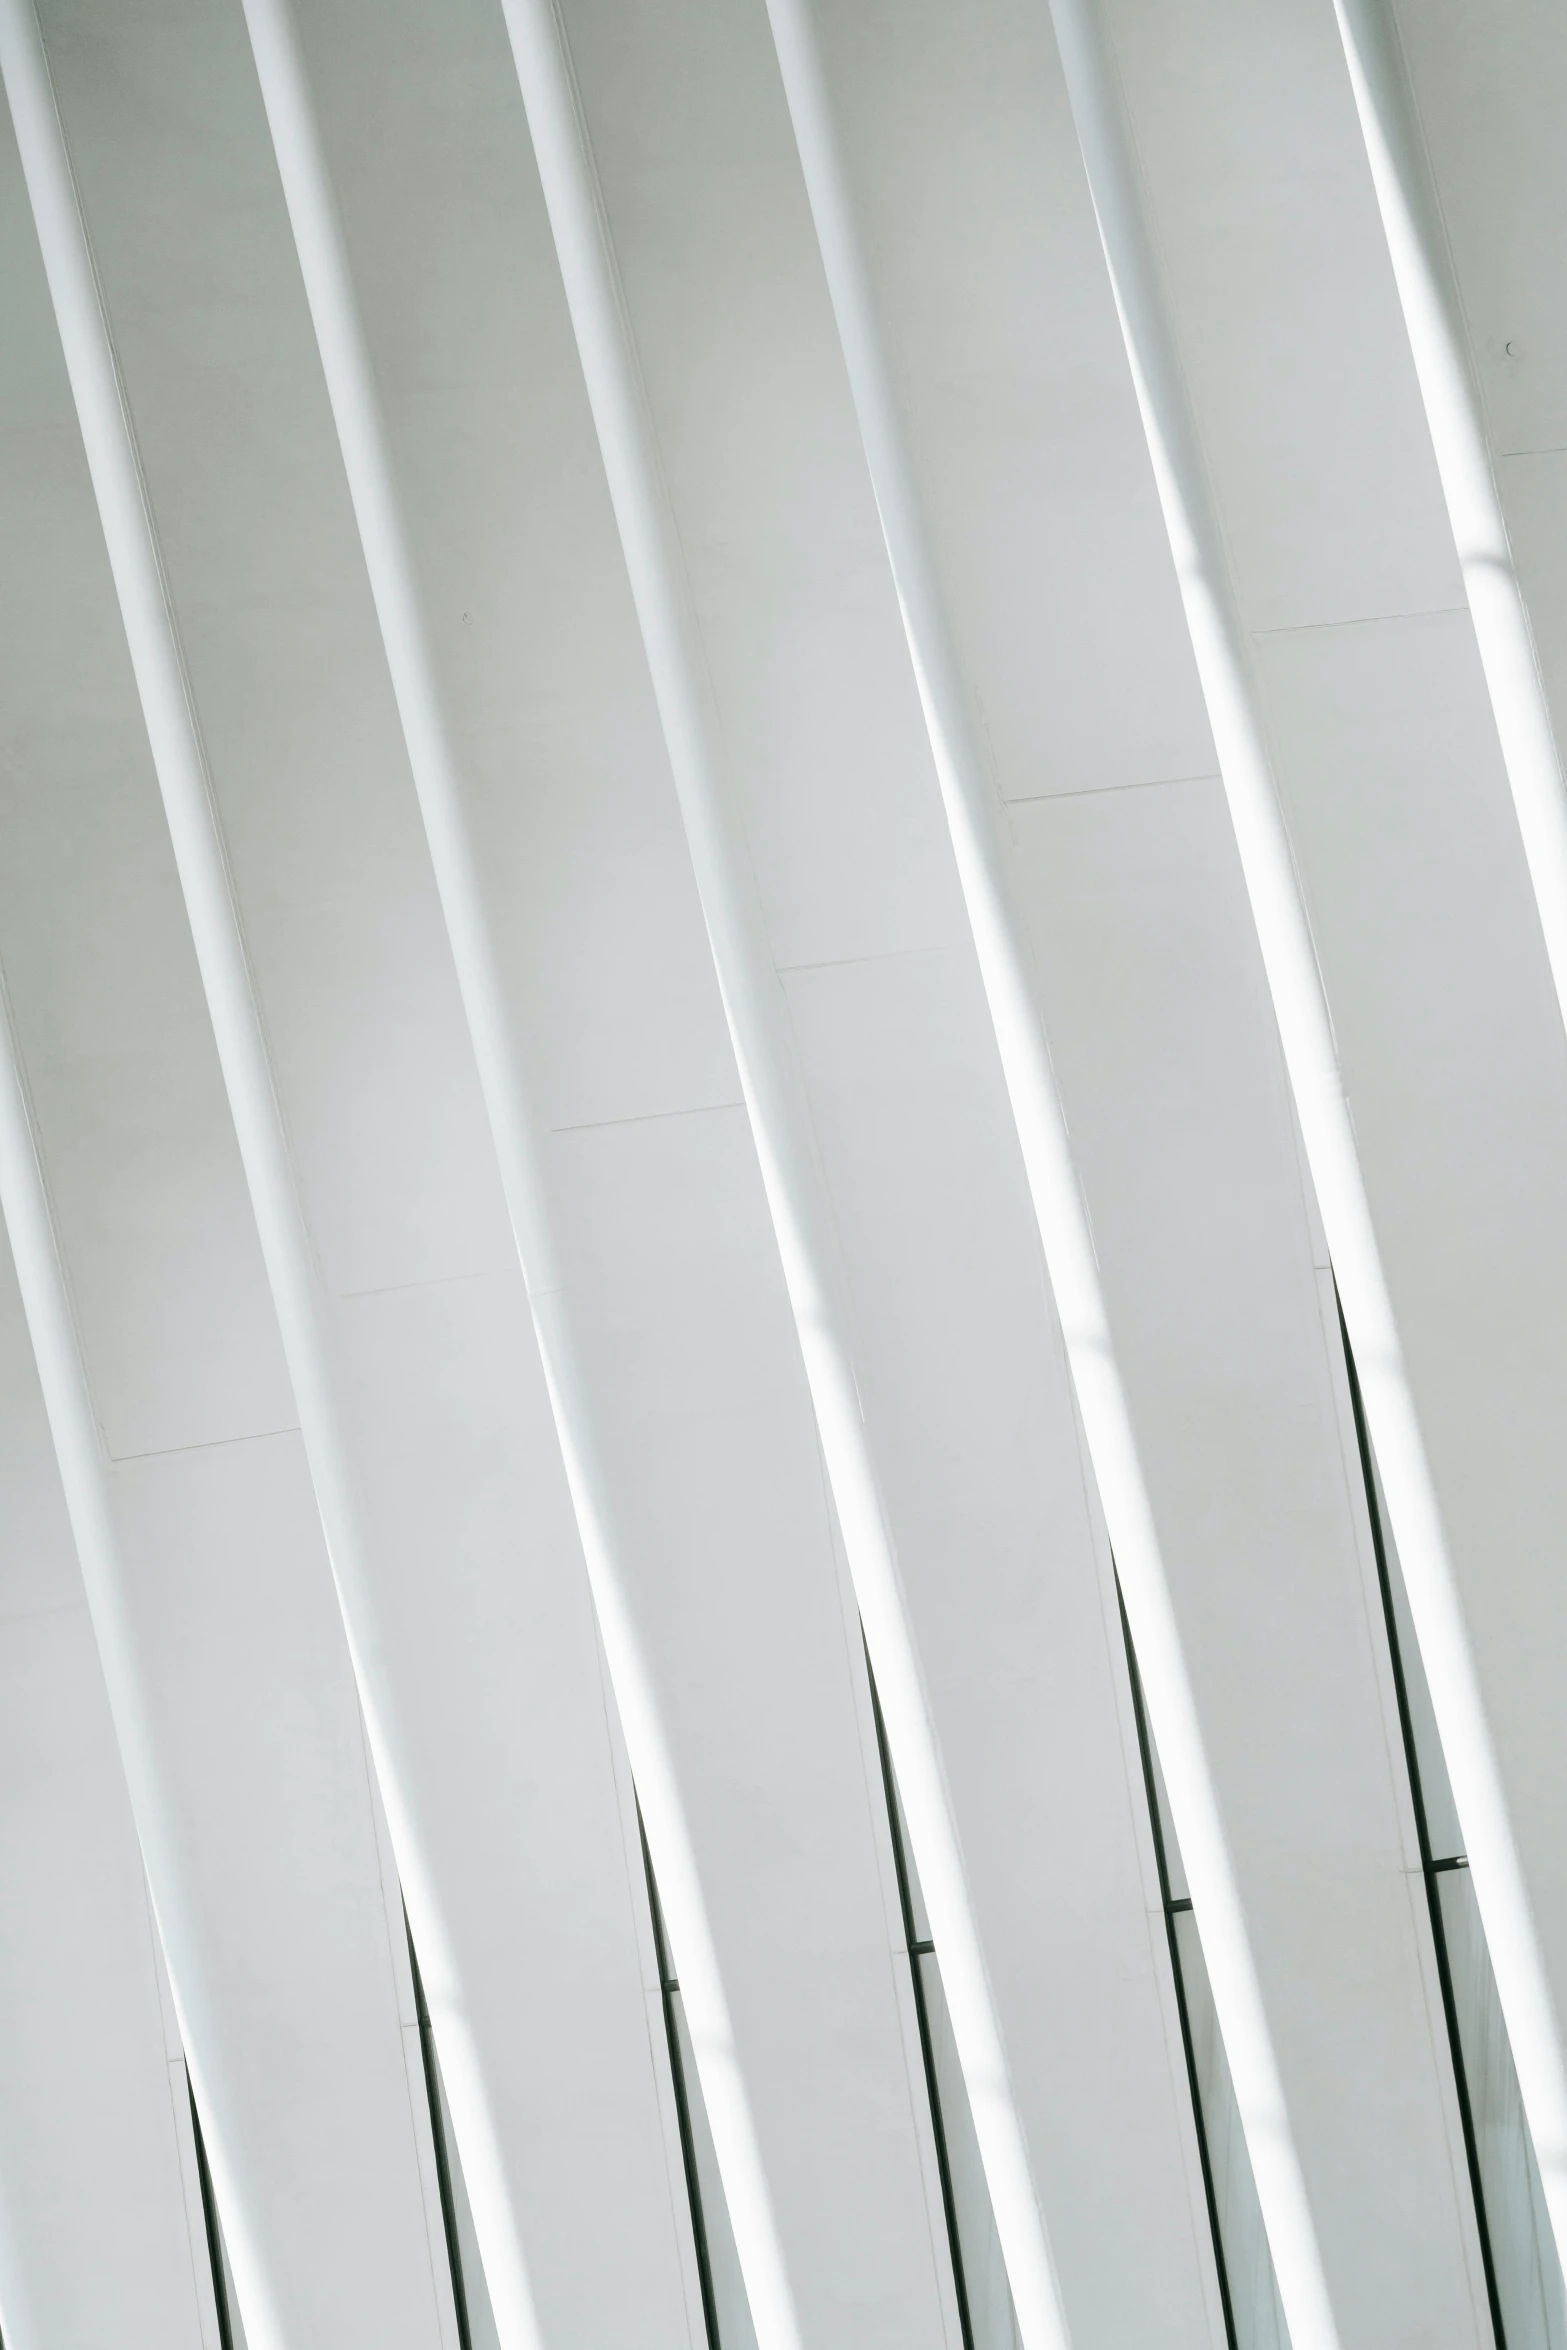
[207, 885]
[350, 385]
[174, 735]
[201, 858]
[73, 1425]
[755, 1013]
[102, 2234]
[227, 1635]
[975, 824]
[1433, 316]
[198, 847]
[25, 1201]
[1306, 1033]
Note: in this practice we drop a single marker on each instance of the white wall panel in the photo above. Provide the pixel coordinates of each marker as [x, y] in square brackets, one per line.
[965, 1393]
[1496, 209]
[99, 2238]
[1488, 86]
[1284, 307]
[702, 1421]
[991, 291]
[1180, 1113]
[1455, 1058]
[687, 1357]
[958, 1361]
[481, 1630]
[649, 1340]
[710, 1432]
[1484, 92]
[290, 1993]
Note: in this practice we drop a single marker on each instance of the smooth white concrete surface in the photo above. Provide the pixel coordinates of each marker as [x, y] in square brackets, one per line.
[1487, 89]
[848, 2143]
[101, 2230]
[478, 1621]
[617, 1020]
[957, 1359]
[690, 715]
[639, 1180]
[1432, 302]
[1363, 657]
[1019, 419]
[1231, 1365]
[284, 1980]
[1442, 995]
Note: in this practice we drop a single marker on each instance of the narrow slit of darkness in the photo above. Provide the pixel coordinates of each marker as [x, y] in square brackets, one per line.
[1430, 1869]
[209, 2214]
[1174, 1906]
[918, 1951]
[668, 1986]
[443, 2165]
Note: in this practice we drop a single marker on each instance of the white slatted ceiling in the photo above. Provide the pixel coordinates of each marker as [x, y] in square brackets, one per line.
[671, 1327]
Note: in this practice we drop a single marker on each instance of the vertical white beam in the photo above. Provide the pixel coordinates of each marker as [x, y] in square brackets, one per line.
[1311, 1055]
[754, 1010]
[1433, 314]
[974, 822]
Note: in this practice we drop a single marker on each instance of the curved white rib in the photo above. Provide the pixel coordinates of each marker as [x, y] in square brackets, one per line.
[201, 859]
[1433, 318]
[754, 1010]
[73, 1426]
[983, 860]
[24, 1198]
[1311, 1056]
[350, 386]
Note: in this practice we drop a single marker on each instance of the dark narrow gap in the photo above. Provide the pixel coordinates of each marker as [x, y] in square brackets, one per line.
[1174, 1906]
[443, 2165]
[668, 1986]
[918, 1951]
[1430, 1869]
[209, 2214]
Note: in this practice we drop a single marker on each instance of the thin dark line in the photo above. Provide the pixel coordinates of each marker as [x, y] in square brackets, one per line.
[1430, 1869]
[668, 1986]
[918, 1949]
[209, 2213]
[1174, 1905]
[443, 2167]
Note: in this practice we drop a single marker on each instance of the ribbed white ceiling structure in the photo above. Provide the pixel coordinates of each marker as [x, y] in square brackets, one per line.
[783, 1123]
